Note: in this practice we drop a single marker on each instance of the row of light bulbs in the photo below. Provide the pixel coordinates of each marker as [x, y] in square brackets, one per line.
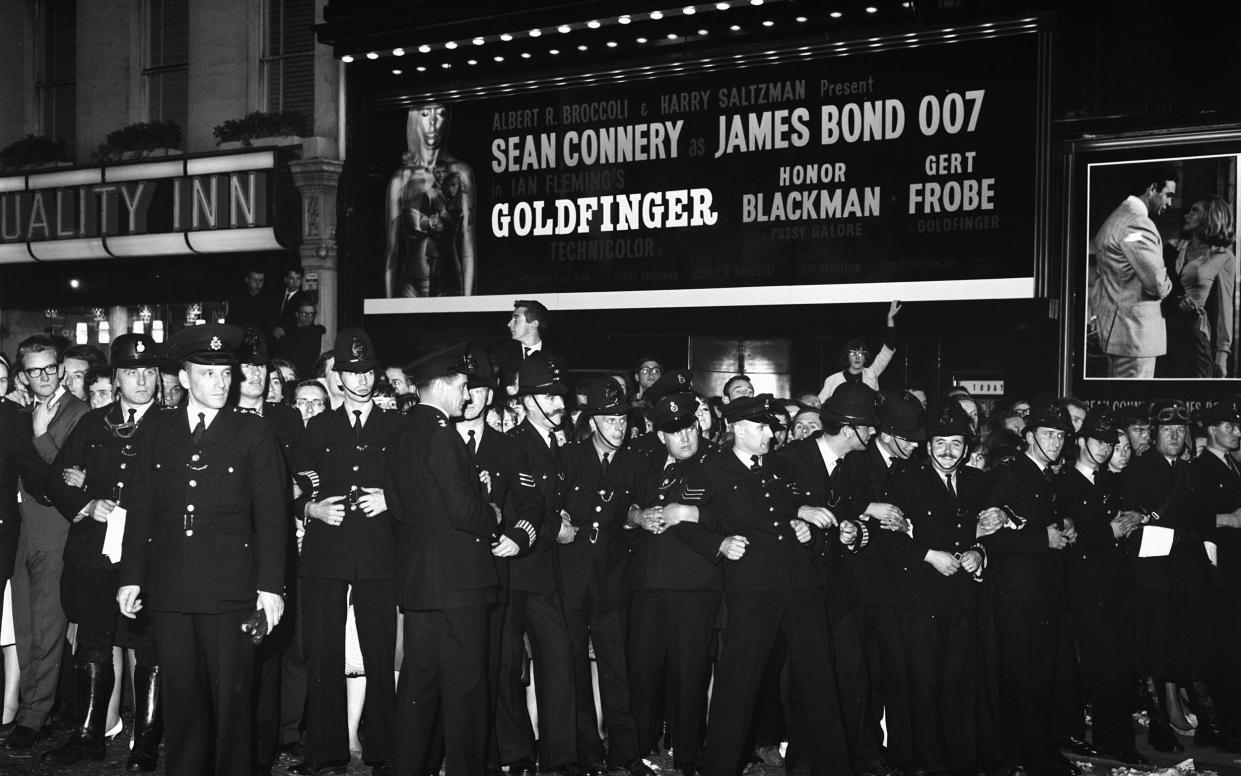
[595, 24]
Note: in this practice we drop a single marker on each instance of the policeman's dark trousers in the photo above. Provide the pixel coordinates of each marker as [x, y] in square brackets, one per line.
[268, 659]
[323, 626]
[443, 691]
[1106, 672]
[293, 681]
[207, 665]
[89, 599]
[606, 630]
[670, 638]
[39, 625]
[754, 619]
[885, 657]
[541, 618]
[1028, 634]
[941, 663]
[853, 685]
[1067, 708]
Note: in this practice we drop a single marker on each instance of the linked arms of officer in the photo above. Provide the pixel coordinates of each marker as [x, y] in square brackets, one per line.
[65, 486]
[1026, 537]
[520, 505]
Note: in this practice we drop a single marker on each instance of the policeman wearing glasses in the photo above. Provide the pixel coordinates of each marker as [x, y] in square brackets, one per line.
[1174, 583]
[1026, 574]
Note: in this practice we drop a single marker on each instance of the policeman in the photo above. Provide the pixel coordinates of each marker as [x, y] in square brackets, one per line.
[254, 367]
[771, 586]
[1173, 601]
[447, 577]
[1218, 482]
[936, 568]
[1026, 575]
[1098, 574]
[204, 551]
[535, 610]
[677, 586]
[827, 471]
[673, 382]
[349, 542]
[500, 462]
[600, 475]
[101, 452]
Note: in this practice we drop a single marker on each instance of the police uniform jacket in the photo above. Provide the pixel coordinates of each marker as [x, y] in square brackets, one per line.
[684, 557]
[503, 460]
[1219, 487]
[1021, 565]
[937, 522]
[537, 572]
[445, 522]
[1097, 564]
[341, 464]
[759, 505]
[17, 457]
[207, 526]
[1154, 485]
[106, 449]
[802, 465]
[598, 505]
[286, 423]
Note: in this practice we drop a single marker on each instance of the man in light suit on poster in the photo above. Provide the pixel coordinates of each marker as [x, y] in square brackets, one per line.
[1132, 278]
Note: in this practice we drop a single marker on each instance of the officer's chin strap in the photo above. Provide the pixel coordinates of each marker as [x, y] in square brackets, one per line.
[1090, 455]
[955, 464]
[551, 427]
[1039, 445]
[357, 396]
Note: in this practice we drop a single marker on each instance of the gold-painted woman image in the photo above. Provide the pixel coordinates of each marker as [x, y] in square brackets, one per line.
[430, 209]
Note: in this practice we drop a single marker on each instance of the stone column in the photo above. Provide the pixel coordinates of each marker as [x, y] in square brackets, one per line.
[316, 179]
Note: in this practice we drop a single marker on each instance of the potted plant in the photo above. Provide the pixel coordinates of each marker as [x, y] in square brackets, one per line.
[138, 141]
[33, 151]
[262, 128]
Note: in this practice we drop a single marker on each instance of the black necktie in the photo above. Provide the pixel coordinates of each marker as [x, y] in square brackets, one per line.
[1049, 473]
[755, 463]
[952, 489]
[604, 463]
[472, 443]
[200, 428]
[357, 425]
[1232, 465]
[525, 351]
[132, 413]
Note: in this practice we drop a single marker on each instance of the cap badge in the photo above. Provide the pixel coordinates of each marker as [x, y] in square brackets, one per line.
[139, 346]
[468, 365]
[681, 379]
[215, 343]
[358, 348]
[672, 406]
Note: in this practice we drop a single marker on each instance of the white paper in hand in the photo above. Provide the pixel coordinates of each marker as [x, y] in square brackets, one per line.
[1156, 541]
[115, 536]
[1212, 552]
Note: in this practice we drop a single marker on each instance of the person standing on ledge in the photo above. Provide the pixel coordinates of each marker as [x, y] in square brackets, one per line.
[853, 360]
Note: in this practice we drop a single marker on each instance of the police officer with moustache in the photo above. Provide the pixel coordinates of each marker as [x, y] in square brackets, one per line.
[677, 585]
[820, 471]
[1026, 574]
[1218, 482]
[1101, 582]
[253, 366]
[94, 469]
[204, 552]
[772, 585]
[535, 608]
[600, 476]
[447, 576]
[500, 462]
[936, 567]
[349, 542]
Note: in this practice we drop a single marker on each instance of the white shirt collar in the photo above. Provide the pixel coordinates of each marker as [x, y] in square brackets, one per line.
[192, 409]
[139, 411]
[830, 459]
[1086, 471]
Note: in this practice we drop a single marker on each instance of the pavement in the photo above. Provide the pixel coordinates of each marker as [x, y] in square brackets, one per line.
[1194, 760]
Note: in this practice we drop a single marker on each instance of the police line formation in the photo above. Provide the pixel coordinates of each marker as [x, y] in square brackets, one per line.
[888, 589]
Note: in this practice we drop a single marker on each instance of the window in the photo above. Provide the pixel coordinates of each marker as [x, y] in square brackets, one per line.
[55, 85]
[289, 57]
[167, 65]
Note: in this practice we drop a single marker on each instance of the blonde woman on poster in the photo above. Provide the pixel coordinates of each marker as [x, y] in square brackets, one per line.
[430, 211]
[1199, 343]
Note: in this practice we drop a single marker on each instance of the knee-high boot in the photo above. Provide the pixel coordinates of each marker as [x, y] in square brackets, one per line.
[1209, 732]
[148, 720]
[94, 690]
[1159, 735]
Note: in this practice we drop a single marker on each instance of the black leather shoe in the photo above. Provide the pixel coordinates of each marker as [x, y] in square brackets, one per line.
[293, 749]
[688, 768]
[326, 768]
[1078, 746]
[262, 769]
[7, 728]
[1067, 768]
[522, 768]
[22, 737]
[639, 768]
[1007, 770]
[566, 769]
